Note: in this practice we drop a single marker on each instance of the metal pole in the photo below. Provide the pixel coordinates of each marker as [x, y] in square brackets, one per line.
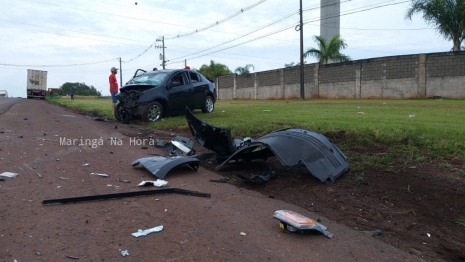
[163, 47]
[301, 27]
[120, 73]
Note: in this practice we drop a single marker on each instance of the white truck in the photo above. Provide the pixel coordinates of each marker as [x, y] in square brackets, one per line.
[3, 93]
[36, 84]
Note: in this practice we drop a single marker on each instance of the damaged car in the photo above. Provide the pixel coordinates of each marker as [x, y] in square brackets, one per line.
[156, 94]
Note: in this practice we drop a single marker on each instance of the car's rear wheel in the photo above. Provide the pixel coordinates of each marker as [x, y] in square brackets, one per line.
[209, 105]
[153, 112]
[117, 114]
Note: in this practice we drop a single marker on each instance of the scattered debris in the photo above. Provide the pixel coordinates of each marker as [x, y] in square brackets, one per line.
[104, 119]
[360, 113]
[412, 116]
[295, 222]
[180, 146]
[8, 174]
[86, 164]
[292, 147]
[157, 183]
[428, 234]
[126, 194]
[97, 174]
[124, 253]
[72, 257]
[123, 180]
[145, 232]
[221, 180]
[243, 234]
[376, 232]
[260, 179]
[63, 178]
[160, 143]
[160, 166]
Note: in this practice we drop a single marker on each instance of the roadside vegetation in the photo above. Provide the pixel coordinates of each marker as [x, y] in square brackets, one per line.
[380, 134]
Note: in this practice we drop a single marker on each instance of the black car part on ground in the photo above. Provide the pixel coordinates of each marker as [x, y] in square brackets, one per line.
[217, 139]
[259, 179]
[292, 146]
[159, 166]
[126, 194]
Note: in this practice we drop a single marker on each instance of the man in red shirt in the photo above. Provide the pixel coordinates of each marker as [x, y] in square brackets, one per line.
[113, 87]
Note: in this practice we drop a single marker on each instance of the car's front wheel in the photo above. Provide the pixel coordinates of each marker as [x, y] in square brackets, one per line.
[209, 105]
[118, 112]
[153, 112]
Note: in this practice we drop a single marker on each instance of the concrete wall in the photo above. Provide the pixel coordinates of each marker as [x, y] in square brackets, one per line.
[408, 76]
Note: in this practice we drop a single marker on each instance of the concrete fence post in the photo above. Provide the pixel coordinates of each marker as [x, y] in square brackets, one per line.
[358, 80]
[421, 77]
[255, 86]
[234, 86]
[317, 80]
[283, 92]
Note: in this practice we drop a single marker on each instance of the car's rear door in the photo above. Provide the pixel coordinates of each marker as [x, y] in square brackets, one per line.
[200, 88]
[180, 92]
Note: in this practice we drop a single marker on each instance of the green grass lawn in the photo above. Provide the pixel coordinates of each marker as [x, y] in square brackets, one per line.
[413, 129]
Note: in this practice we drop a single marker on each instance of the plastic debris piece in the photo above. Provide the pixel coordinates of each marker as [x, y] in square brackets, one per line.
[123, 180]
[86, 164]
[157, 183]
[295, 222]
[98, 174]
[428, 234]
[63, 178]
[72, 257]
[145, 232]
[124, 253]
[39, 175]
[9, 174]
[243, 234]
[412, 116]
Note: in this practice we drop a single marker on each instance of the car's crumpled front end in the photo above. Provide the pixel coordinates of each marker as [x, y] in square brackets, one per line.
[128, 105]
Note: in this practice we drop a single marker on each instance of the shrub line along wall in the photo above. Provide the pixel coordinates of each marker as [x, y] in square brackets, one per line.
[407, 76]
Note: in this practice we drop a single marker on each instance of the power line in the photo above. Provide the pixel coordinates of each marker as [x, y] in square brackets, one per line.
[286, 28]
[219, 22]
[90, 63]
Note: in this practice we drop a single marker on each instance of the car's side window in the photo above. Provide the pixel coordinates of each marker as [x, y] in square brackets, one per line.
[179, 79]
[194, 76]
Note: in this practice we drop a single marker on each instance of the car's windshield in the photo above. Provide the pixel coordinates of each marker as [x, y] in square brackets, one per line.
[150, 79]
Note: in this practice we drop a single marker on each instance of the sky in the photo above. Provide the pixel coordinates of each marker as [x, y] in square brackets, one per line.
[80, 40]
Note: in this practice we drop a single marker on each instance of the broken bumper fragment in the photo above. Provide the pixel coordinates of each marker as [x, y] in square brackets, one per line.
[160, 166]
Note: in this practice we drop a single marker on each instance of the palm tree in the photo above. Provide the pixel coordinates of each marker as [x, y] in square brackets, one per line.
[214, 69]
[328, 51]
[244, 70]
[448, 16]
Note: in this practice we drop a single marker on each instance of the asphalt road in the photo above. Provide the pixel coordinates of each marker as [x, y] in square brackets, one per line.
[233, 225]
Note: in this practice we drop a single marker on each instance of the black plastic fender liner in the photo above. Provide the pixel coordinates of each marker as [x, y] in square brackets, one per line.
[217, 139]
[294, 147]
[160, 166]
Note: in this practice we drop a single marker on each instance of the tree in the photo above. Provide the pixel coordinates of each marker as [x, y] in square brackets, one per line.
[328, 50]
[244, 70]
[80, 89]
[214, 69]
[448, 16]
[292, 64]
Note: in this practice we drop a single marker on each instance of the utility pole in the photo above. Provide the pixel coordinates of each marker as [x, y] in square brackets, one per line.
[120, 73]
[301, 28]
[162, 57]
